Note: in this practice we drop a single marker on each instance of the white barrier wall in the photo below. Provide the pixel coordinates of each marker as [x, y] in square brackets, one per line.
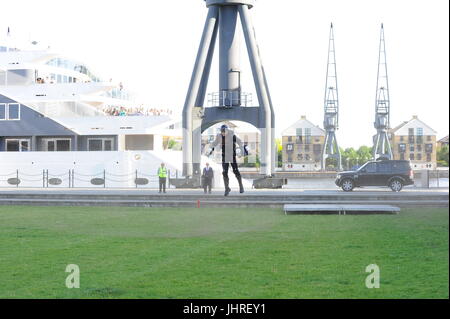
[118, 167]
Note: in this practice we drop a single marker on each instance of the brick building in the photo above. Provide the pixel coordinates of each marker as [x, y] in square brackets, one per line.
[415, 141]
[302, 146]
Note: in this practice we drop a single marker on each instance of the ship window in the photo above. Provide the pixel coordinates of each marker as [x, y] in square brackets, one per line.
[108, 145]
[100, 144]
[2, 111]
[9, 111]
[13, 111]
[57, 145]
[50, 146]
[63, 145]
[17, 145]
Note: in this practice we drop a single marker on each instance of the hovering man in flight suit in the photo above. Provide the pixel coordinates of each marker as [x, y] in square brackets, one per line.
[228, 141]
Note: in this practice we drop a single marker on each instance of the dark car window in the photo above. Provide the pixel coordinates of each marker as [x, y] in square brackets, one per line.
[401, 166]
[371, 168]
[384, 168]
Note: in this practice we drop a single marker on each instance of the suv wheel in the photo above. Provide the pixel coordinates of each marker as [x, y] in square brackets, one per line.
[347, 185]
[396, 185]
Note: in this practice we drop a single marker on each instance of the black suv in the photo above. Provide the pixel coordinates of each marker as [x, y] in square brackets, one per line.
[394, 174]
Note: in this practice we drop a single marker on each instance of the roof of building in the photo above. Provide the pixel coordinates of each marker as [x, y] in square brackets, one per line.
[402, 129]
[303, 123]
[444, 140]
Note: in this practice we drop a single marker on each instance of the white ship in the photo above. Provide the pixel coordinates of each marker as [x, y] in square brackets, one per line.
[57, 118]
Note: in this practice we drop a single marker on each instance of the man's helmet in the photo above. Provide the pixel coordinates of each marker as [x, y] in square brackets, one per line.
[224, 128]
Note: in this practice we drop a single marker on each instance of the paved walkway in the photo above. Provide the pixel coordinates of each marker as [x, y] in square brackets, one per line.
[408, 191]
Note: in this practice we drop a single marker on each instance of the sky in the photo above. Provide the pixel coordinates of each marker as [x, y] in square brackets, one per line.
[150, 46]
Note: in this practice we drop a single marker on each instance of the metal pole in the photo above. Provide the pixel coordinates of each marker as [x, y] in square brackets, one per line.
[43, 178]
[135, 180]
[70, 180]
[194, 87]
[104, 178]
[437, 175]
[261, 89]
[168, 176]
[17, 178]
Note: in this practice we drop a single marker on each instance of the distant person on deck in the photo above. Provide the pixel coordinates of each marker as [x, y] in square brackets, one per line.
[207, 177]
[162, 175]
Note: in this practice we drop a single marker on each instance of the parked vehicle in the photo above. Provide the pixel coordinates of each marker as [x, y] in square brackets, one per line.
[392, 173]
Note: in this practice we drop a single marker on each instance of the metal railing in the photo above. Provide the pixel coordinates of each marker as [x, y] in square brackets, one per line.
[229, 99]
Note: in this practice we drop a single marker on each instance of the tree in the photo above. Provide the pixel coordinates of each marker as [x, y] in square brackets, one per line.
[173, 145]
[351, 157]
[279, 147]
[442, 155]
[364, 154]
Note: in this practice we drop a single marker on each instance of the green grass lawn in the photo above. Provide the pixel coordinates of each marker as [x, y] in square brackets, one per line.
[220, 253]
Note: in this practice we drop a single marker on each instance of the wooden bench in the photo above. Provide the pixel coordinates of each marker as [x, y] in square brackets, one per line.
[341, 209]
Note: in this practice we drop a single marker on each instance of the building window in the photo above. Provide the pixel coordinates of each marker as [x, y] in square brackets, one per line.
[290, 158]
[317, 148]
[419, 157]
[402, 148]
[419, 147]
[57, 145]
[402, 156]
[428, 138]
[428, 157]
[308, 135]
[299, 135]
[100, 144]
[17, 145]
[307, 148]
[428, 148]
[401, 138]
[419, 135]
[289, 138]
[10, 111]
[411, 135]
[411, 156]
[411, 148]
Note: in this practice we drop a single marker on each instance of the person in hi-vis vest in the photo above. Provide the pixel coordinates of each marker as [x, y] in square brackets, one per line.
[162, 174]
